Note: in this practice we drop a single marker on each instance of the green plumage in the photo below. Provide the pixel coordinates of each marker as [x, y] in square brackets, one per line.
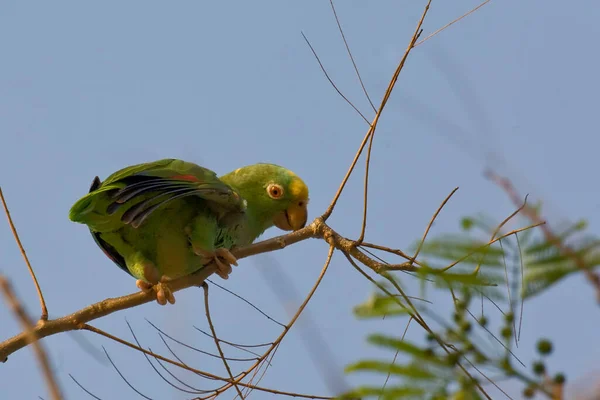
[166, 218]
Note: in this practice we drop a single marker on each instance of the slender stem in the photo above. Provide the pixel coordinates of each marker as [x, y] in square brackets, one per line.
[44, 315]
[373, 125]
[451, 22]
[216, 339]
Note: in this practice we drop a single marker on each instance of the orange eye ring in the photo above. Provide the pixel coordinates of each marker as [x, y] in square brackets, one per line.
[275, 191]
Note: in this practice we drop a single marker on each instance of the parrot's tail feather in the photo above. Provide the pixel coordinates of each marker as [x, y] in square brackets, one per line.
[84, 210]
[81, 208]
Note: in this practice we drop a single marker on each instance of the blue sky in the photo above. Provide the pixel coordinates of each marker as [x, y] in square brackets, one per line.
[86, 89]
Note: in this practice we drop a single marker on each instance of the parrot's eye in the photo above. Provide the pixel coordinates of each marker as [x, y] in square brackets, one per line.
[275, 191]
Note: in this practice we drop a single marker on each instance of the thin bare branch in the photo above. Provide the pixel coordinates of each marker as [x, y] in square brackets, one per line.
[123, 376]
[83, 388]
[451, 23]
[44, 315]
[247, 302]
[435, 215]
[487, 378]
[331, 81]
[508, 350]
[387, 378]
[30, 337]
[196, 371]
[317, 346]
[522, 286]
[397, 252]
[363, 226]
[216, 338]
[163, 333]
[137, 342]
[329, 238]
[107, 335]
[373, 125]
[337, 20]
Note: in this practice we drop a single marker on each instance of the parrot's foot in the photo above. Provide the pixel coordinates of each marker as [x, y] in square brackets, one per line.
[222, 257]
[162, 289]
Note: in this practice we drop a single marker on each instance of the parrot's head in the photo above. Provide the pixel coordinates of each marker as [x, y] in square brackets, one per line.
[275, 195]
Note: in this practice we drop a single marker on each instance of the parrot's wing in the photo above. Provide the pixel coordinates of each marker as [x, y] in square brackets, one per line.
[163, 181]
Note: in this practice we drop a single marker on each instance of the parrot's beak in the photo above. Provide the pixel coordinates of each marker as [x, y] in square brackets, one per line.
[293, 218]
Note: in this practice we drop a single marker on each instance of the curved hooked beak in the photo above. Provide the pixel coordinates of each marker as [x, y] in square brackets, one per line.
[293, 218]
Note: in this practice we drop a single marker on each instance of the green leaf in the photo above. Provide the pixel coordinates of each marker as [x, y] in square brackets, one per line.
[454, 247]
[465, 278]
[540, 280]
[404, 347]
[389, 393]
[378, 306]
[410, 371]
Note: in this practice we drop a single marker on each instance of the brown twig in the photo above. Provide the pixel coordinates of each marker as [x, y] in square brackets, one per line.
[337, 20]
[30, 337]
[363, 226]
[216, 339]
[331, 81]
[499, 227]
[44, 315]
[277, 341]
[373, 124]
[433, 218]
[188, 368]
[550, 236]
[451, 23]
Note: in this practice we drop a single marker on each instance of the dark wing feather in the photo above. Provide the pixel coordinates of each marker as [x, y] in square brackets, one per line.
[158, 190]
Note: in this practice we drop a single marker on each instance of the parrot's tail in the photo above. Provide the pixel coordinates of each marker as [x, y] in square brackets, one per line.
[91, 208]
[82, 208]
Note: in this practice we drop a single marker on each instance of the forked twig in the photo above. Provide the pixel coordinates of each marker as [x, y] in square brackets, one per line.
[451, 23]
[373, 125]
[331, 81]
[216, 339]
[277, 341]
[194, 370]
[337, 20]
[550, 236]
[515, 231]
[44, 315]
[27, 326]
[433, 218]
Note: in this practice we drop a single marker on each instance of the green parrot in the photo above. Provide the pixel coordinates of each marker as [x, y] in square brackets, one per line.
[162, 220]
